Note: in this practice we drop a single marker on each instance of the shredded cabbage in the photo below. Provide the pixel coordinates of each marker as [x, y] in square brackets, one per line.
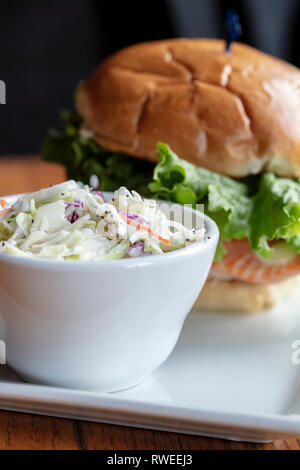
[70, 221]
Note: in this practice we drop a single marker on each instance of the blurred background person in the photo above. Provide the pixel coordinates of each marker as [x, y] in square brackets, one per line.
[46, 47]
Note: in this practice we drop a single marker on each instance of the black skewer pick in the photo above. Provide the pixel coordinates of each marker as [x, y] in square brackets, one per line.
[233, 27]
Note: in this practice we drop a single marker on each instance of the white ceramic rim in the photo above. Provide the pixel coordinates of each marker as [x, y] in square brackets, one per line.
[188, 251]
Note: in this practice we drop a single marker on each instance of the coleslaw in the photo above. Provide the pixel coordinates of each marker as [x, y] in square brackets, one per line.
[70, 221]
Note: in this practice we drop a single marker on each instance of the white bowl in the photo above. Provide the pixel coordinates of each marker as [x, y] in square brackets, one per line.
[102, 325]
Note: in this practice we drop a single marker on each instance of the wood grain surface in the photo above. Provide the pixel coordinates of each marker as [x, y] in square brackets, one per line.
[20, 431]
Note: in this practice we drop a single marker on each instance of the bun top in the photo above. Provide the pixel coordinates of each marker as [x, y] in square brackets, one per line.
[235, 113]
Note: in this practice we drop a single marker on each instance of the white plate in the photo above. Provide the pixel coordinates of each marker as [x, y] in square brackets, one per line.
[230, 376]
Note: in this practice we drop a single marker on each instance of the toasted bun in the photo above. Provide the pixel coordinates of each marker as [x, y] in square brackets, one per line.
[235, 113]
[236, 296]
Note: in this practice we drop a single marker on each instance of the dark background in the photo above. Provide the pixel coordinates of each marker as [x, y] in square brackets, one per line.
[47, 46]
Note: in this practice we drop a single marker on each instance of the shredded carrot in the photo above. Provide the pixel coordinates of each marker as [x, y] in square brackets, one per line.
[147, 229]
[3, 203]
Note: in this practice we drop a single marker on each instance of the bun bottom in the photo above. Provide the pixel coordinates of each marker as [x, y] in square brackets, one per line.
[235, 296]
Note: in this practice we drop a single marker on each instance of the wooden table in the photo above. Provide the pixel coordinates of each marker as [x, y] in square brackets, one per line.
[26, 431]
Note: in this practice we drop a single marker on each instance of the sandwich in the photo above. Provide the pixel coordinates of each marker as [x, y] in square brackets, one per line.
[186, 121]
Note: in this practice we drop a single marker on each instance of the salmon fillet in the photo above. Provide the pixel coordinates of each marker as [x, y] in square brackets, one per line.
[243, 264]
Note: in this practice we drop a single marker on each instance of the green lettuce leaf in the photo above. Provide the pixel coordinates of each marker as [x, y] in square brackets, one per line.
[225, 199]
[275, 214]
[261, 208]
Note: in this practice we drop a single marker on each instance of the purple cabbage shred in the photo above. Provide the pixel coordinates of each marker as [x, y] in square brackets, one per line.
[73, 217]
[132, 216]
[100, 193]
[138, 250]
